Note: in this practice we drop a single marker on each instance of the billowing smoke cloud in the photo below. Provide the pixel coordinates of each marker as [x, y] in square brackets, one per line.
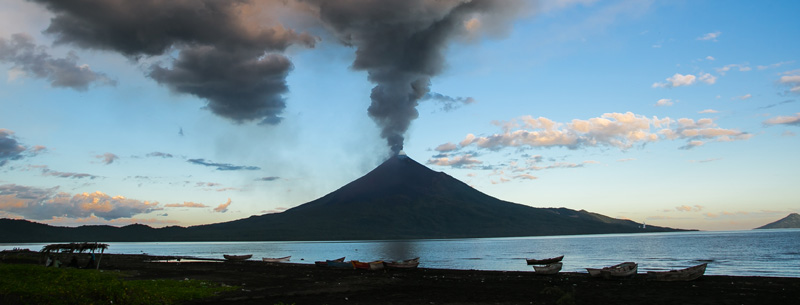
[41, 204]
[401, 45]
[33, 60]
[224, 57]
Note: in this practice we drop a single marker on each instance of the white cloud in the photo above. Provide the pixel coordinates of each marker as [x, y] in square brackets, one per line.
[710, 57]
[740, 67]
[784, 120]
[793, 81]
[710, 36]
[775, 65]
[745, 97]
[709, 111]
[457, 161]
[677, 80]
[708, 78]
[664, 102]
[620, 130]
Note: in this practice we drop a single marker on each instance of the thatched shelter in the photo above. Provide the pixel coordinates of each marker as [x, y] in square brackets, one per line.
[77, 247]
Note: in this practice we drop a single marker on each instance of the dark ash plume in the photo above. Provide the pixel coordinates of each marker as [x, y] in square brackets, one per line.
[401, 45]
[448, 103]
[224, 57]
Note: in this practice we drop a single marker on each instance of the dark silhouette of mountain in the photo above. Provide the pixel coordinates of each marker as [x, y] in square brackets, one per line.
[792, 221]
[400, 199]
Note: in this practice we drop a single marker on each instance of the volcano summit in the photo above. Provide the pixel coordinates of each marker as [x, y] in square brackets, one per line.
[400, 199]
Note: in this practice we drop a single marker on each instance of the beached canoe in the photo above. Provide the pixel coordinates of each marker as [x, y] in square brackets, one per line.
[237, 257]
[325, 262]
[619, 270]
[548, 269]
[532, 261]
[276, 259]
[374, 265]
[405, 264]
[688, 274]
[339, 265]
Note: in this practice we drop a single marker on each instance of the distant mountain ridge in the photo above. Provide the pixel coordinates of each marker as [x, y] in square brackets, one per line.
[792, 221]
[399, 199]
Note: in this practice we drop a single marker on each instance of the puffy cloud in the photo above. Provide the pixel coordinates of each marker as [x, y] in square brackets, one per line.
[664, 102]
[446, 147]
[94, 220]
[222, 208]
[793, 81]
[11, 149]
[677, 80]
[223, 166]
[620, 130]
[745, 97]
[710, 36]
[708, 78]
[185, 204]
[107, 158]
[30, 59]
[40, 204]
[784, 120]
[465, 161]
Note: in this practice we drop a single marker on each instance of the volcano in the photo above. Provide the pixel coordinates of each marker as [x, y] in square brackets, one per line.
[400, 199]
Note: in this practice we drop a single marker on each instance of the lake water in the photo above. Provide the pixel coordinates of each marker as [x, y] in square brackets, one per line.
[745, 253]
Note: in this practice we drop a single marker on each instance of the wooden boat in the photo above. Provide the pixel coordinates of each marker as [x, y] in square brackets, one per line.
[688, 274]
[374, 265]
[619, 270]
[237, 257]
[276, 259]
[548, 269]
[406, 264]
[545, 261]
[325, 262]
[339, 265]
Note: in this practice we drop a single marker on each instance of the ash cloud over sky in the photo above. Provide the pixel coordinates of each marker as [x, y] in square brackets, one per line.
[401, 45]
[233, 64]
[231, 54]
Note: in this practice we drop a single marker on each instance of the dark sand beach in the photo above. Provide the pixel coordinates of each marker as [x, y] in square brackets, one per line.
[304, 283]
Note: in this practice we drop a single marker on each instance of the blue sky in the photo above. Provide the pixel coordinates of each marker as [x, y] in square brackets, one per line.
[674, 113]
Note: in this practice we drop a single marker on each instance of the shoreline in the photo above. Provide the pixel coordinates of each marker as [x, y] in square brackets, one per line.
[302, 283]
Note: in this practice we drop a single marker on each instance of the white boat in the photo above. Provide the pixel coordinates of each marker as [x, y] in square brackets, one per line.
[237, 257]
[406, 264]
[276, 259]
[548, 269]
[619, 270]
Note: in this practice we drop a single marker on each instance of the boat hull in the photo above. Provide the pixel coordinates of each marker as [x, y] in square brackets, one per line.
[545, 261]
[620, 270]
[276, 259]
[688, 274]
[548, 269]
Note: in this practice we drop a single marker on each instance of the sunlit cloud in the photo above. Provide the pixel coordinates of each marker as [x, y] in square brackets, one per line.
[222, 208]
[455, 161]
[526, 176]
[792, 120]
[676, 80]
[792, 81]
[40, 204]
[185, 204]
[664, 102]
[710, 36]
[620, 130]
[744, 97]
[446, 147]
[708, 111]
[686, 208]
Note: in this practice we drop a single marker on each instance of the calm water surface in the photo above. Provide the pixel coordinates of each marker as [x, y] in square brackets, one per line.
[746, 253]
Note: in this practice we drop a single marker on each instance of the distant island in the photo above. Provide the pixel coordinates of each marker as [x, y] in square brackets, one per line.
[400, 199]
[789, 222]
